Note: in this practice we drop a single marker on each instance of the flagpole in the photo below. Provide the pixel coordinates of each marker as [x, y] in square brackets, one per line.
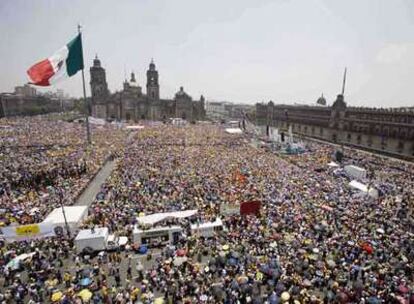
[88, 131]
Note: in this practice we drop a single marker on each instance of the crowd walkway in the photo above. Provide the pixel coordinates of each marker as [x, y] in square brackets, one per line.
[89, 194]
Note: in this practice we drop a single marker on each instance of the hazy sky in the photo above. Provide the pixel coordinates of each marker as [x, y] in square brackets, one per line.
[237, 50]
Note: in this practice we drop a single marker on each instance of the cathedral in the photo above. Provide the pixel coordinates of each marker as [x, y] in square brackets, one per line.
[132, 104]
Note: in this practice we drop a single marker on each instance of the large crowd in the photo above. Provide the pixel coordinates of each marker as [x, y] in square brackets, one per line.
[315, 240]
[44, 160]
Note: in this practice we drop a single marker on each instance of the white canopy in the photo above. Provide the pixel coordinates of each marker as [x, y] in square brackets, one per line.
[157, 217]
[96, 121]
[15, 263]
[74, 215]
[357, 185]
[234, 131]
[136, 127]
[355, 172]
[363, 188]
[333, 164]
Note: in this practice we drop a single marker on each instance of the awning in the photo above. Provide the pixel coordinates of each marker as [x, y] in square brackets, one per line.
[157, 217]
[234, 131]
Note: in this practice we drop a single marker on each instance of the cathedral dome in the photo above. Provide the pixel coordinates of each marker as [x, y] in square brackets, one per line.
[152, 65]
[96, 62]
[133, 82]
[321, 101]
[181, 92]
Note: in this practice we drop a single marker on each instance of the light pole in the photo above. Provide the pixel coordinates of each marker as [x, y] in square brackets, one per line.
[60, 193]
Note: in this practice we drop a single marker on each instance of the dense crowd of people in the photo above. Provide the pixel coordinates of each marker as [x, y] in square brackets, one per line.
[44, 159]
[316, 240]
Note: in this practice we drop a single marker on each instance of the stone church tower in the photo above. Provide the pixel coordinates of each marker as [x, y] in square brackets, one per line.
[99, 89]
[153, 87]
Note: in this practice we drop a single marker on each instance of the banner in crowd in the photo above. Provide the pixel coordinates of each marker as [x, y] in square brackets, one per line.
[274, 134]
[252, 207]
[28, 232]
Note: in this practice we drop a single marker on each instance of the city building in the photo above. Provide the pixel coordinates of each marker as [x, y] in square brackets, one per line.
[132, 104]
[26, 100]
[25, 90]
[18, 105]
[389, 131]
[219, 110]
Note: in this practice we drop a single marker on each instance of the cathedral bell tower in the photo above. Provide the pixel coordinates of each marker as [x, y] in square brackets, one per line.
[99, 89]
[153, 88]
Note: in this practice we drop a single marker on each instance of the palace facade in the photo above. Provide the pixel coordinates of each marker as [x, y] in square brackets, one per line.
[390, 131]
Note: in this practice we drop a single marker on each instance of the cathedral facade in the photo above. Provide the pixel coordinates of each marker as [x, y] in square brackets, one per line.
[132, 104]
[390, 131]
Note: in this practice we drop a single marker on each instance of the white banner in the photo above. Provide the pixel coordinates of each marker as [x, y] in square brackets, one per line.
[28, 232]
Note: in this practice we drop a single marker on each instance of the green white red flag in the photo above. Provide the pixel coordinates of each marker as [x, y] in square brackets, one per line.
[63, 64]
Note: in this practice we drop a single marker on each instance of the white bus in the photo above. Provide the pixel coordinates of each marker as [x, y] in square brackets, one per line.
[208, 229]
[157, 236]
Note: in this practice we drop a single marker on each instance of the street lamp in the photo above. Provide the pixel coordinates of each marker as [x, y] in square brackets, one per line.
[60, 194]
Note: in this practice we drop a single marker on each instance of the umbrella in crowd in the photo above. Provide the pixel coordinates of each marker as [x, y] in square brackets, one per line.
[57, 296]
[85, 281]
[85, 295]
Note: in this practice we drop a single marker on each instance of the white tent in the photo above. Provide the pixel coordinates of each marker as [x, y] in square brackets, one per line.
[356, 172]
[234, 131]
[357, 185]
[96, 121]
[157, 217]
[363, 188]
[74, 216]
[136, 127]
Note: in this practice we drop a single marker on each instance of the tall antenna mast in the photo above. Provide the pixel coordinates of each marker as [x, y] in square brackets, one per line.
[343, 83]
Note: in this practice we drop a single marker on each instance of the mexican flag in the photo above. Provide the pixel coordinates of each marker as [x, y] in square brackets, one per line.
[63, 64]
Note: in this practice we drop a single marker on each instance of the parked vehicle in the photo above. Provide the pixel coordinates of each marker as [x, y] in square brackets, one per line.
[208, 229]
[90, 241]
[157, 237]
